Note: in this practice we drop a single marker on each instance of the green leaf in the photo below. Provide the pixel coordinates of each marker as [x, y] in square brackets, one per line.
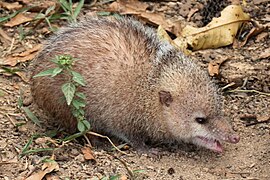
[51, 133]
[49, 10]
[78, 78]
[2, 93]
[26, 146]
[78, 8]
[48, 72]
[81, 127]
[103, 13]
[81, 95]
[69, 90]
[20, 101]
[57, 71]
[86, 124]
[48, 160]
[116, 177]
[65, 6]
[78, 104]
[2, 19]
[11, 70]
[39, 16]
[73, 136]
[31, 116]
[81, 112]
[138, 171]
[37, 150]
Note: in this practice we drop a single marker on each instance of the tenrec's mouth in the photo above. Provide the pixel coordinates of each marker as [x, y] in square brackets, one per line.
[212, 144]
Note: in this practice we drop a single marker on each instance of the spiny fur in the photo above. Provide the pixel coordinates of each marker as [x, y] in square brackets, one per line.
[125, 66]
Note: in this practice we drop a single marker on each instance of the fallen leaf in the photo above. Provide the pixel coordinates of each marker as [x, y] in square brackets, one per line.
[191, 12]
[25, 1]
[5, 38]
[129, 6]
[256, 2]
[52, 177]
[139, 9]
[261, 36]
[256, 29]
[219, 32]
[4, 35]
[46, 169]
[213, 67]
[23, 76]
[88, 154]
[123, 177]
[263, 118]
[18, 19]
[38, 6]
[10, 6]
[22, 57]
[163, 35]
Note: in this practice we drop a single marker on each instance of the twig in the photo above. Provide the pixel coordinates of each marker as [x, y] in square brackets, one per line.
[106, 137]
[6, 162]
[249, 91]
[245, 82]
[88, 141]
[257, 122]
[10, 119]
[11, 46]
[227, 86]
[131, 174]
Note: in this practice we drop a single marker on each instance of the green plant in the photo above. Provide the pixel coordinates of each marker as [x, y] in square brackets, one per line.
[8, 17]
[48, 16]
[64, 65]
[70, 14]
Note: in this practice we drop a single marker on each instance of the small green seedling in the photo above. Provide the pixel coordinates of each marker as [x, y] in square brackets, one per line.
[64, 65]
[70, 14]
[8, 17]
[48, 16]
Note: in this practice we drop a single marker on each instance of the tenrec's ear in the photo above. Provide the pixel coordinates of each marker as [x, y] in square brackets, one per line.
[165, 98]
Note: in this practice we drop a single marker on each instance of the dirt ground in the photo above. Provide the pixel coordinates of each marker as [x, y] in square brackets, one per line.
[248, 68]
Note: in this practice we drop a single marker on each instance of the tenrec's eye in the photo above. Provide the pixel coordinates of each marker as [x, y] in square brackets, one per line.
[201, 120]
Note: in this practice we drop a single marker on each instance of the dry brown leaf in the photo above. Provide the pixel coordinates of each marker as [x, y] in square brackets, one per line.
[261, 36]
[163, 35]
[139, 9]
[46, 168]
[17, 20]
[25, 1]
[213, 66]
[52, 177]
[22, 57]
[256, 2]
[23, 76]
[10, 6]
[256, 29]
[263, 118]
[123, 177]
[5, 39]
[219, 32]
[88, 154]
[191, 12]
[4, 35]
[128, 7]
